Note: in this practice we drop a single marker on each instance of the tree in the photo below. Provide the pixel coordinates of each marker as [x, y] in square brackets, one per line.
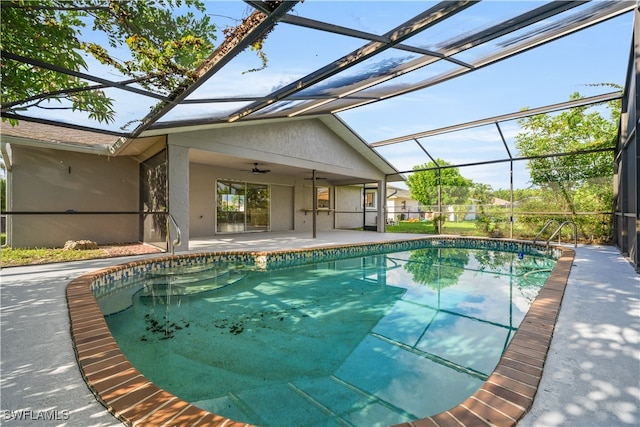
[147, 42]
[423, 184]
[571, 131]
[481, 192]
[437, 268]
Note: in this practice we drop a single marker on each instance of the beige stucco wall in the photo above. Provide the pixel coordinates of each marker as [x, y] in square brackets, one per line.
[282, 207]
[58, 181]
[302, 143]
[349, 202]
[306, 144]
[290, 202]
[202, 198]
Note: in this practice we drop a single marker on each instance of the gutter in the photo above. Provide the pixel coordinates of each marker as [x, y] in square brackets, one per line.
[6, 155]
[14, 140]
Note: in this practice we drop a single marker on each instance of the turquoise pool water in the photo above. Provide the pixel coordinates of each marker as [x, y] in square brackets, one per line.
[366, 341]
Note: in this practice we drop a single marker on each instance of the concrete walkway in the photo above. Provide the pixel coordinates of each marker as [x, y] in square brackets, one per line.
[592, 376]
[592, 373]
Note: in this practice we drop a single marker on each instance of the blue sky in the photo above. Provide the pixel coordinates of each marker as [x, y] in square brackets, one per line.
[545, 75]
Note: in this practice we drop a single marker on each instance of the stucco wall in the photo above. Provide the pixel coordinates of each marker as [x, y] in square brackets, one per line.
[308, 144]
[282, 207]
[304, 205]
[59, 181]
[349, 207]
[290, 201]
[202, 202]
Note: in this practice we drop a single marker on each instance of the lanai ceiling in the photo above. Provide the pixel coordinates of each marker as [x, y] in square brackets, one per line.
[339, 65]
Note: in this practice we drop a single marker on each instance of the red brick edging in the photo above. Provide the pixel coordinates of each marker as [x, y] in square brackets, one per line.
[503, 399]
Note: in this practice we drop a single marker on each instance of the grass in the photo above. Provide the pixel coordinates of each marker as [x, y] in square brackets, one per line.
[10, 257]
[428, 227]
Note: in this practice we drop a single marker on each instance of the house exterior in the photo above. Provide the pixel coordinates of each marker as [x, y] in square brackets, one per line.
[400, 205]
[69, 184]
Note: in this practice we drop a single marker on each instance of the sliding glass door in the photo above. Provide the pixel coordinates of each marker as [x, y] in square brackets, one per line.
[241, 206]
[257, 207]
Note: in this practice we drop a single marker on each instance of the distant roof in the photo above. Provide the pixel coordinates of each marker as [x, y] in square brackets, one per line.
[57, 134]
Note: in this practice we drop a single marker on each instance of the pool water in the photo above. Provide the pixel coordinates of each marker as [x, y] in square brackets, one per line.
[365, 341]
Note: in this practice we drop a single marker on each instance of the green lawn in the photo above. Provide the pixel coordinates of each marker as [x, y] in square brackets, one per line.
[428, 227]
[10, 257]
[13, 257]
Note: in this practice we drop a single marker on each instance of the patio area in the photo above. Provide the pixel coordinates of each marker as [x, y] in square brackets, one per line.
[591, 376]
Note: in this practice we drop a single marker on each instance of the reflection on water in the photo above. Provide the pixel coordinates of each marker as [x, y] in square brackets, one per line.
[365, 341]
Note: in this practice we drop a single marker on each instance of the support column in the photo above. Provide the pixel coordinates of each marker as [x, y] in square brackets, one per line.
[178, 184]
[633, 188]
[382, 205]
[314, 192]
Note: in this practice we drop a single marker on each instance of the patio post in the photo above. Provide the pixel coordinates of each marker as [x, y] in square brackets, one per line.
[315, 201]
[178, 183]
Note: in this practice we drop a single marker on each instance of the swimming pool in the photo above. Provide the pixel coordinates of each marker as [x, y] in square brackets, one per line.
[381, 324]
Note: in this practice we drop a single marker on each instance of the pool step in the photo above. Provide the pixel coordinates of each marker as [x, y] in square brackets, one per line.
[187, 274]
[181, 282]
[190, 285]
[118, 301]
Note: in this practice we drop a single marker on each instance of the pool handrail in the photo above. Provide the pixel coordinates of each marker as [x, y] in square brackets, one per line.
[575, 233]
[544, 227]
[176, 242]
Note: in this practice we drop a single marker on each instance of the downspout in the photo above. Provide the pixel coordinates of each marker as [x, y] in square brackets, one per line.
[5, 149]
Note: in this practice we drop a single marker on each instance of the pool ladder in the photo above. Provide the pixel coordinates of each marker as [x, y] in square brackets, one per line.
[176, 242]
[557, 232]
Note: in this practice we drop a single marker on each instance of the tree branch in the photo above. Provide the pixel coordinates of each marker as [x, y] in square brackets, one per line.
[35, 6]
[6, 107]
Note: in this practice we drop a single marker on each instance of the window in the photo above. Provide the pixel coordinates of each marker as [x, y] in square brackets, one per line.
[242, 206]
[370, 198]
[322, 198]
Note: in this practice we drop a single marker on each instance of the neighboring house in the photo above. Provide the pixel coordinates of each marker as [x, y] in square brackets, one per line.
[496, 201]
[68, 183]
[400, 205]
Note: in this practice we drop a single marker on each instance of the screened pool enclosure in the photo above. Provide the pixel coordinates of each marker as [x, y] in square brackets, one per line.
[497, 117]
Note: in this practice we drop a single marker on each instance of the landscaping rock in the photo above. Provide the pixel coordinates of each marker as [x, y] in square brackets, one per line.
[80, 245]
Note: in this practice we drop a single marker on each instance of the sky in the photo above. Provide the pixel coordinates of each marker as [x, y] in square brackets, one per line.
[545, 75]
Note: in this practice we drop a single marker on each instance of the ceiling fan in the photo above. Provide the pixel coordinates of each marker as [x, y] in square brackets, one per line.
[256, 170]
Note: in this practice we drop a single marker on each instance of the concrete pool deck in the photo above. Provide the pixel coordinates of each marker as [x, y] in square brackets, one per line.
[591, 377]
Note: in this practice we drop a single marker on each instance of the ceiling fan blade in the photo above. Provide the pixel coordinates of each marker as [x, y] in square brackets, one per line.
[255, 169]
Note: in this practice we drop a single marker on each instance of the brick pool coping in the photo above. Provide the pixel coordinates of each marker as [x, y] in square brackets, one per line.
[502, 400]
